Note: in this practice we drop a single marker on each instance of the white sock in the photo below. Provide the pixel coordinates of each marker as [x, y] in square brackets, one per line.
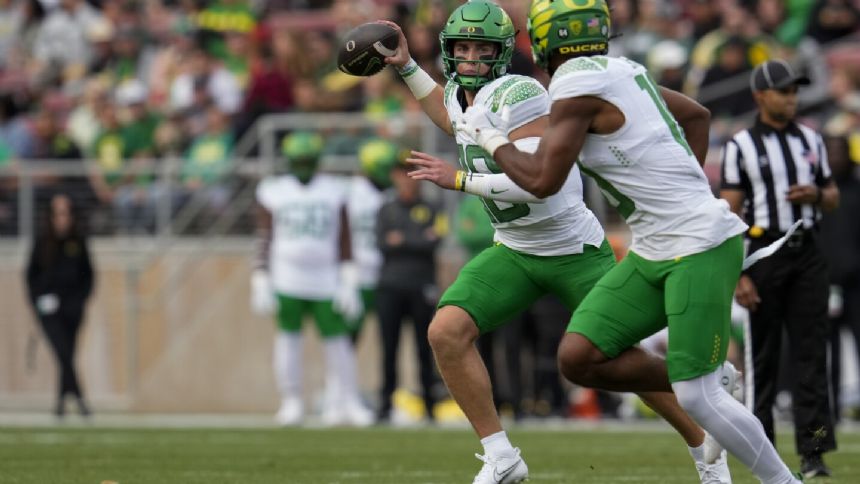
[497, 444]
[287, 363]
[738, 430]
[348, 368]
[698, 453]
[333, 395]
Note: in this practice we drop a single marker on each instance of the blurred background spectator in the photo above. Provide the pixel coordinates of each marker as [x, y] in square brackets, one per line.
[163, 63]
[59, 281]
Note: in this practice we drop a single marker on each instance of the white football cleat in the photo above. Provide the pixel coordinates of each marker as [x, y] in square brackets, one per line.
[292, 411]
[715, 473]
[357, 415]
[732, 380]
[502, 469]
[714, 469]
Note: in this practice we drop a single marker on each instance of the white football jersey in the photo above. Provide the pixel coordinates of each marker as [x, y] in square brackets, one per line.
[559, 226]
[646, 169]
[364, 202]
[305, 251]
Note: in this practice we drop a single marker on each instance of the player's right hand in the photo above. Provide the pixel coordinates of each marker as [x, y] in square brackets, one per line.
[433, 169]
[263, 302]
[746, 293]
[402, 56]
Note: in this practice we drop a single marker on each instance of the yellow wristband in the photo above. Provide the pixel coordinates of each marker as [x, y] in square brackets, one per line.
[460, 181]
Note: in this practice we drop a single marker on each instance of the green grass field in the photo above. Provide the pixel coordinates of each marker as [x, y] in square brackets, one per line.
[89, 455]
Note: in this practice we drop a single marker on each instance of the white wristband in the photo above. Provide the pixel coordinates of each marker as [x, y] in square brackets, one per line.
[417, 79]
[497, 187]
[493, 142]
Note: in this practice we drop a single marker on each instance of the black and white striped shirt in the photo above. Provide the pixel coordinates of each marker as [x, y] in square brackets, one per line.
[764, 162]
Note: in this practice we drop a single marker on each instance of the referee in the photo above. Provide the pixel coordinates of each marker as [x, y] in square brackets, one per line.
[774, 174]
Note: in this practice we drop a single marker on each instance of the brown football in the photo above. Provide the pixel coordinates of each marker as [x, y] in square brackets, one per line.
[364, 48]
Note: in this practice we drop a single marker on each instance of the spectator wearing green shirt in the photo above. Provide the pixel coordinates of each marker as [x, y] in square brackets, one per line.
[206, 163]
[124, 175]
[221, 17]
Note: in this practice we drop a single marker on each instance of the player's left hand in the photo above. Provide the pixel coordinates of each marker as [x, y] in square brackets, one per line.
[347, 299]
[433, 169]
[487, 128]
[800, 194]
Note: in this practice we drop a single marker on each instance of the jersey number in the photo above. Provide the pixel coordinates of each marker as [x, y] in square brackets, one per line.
[623, 204]
[476, 160]
[647, 85]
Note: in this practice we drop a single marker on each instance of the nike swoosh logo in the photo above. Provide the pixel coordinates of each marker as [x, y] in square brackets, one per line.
[498, 476]
[496, 192]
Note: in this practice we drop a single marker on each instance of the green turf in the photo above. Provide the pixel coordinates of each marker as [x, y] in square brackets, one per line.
[378, 456]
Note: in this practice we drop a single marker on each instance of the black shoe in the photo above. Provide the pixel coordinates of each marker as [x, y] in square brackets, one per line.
[60, 408]
[383, 416]
[812, 465]
[83, 408]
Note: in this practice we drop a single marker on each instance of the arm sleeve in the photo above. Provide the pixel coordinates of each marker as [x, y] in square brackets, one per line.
[731, 168]
[264, 193]
[499, 186]
[264, 228]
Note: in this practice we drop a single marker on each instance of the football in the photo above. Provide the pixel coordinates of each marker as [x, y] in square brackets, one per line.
[364, 48]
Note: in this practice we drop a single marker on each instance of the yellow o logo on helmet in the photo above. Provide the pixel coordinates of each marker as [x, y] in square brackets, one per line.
[576, 5]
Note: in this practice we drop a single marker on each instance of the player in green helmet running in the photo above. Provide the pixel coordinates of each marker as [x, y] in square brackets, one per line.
[643, 145]
[544, 245]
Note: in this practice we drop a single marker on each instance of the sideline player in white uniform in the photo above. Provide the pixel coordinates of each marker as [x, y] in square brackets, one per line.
[552, 245]
[376, 156]
[609, 117]
[305, 262]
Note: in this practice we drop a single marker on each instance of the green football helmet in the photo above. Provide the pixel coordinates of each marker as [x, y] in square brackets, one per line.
[377, 157]
[303, 150]
[478, 20]
[568, 27]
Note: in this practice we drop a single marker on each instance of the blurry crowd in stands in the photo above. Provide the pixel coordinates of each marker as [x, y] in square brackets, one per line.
[128, 84]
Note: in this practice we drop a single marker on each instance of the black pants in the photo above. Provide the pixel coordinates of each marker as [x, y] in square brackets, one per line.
[505, 343]
[850, 319]
[393, 305]
[793, 287]
[61, 329]
[550, 318]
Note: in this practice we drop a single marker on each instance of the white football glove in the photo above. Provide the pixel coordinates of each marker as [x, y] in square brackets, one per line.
[347, 298]
[263, 302]
[487, 128]
[47, 304]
